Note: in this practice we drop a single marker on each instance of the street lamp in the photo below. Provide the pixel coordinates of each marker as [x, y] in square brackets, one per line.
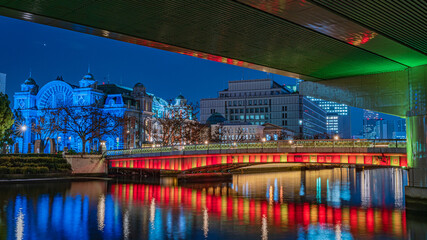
[336, 137]
[57, 146]
[23, 129]
[263, 139]
[290, 141]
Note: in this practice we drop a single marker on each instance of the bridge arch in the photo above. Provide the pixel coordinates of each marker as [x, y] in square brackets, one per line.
[194, 162]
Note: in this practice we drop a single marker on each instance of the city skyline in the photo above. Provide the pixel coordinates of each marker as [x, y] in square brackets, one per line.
[213, 119]
[117, 62]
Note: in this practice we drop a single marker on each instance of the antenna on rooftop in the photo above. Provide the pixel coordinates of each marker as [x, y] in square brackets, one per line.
[88, 68]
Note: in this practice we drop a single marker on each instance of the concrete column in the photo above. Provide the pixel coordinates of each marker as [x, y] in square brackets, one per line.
[52, 145]
[38, 146]
[416, 132]
[16, 148]
[29, 148]
[416, 135]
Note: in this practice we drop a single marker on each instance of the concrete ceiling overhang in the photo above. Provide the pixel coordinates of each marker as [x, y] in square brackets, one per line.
[311, 40]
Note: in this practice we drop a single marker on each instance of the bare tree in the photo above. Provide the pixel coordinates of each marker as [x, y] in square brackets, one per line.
[178, 126]
[239, 135]
[87, 122]
[195, 132]
[217, 133]
[221, 133]
[171, 131]
[152, 130]
[44, 126]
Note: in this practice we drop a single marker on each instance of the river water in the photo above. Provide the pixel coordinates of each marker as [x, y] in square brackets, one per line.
[311, 204]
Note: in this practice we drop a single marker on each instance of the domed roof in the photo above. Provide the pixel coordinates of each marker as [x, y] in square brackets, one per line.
[30, 81]
[215, 119]
[88, 76]
[139, 85]
[180, 97]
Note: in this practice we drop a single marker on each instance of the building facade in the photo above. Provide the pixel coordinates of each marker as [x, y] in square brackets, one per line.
[338, 120]
[375, 127]
[223, 131]
[135, 103]
[263, 101]
[370, 119]
[3, 83]
[390, 129]
[236, 132]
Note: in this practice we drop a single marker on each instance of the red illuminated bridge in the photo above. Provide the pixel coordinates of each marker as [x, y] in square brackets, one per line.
[236, 155]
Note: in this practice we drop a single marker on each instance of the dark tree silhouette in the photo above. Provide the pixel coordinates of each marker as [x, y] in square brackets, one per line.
[87, 122]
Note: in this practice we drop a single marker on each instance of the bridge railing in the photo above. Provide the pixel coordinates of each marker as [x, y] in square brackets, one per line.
[323, 143]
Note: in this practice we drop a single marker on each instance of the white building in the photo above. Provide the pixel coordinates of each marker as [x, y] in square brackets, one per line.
[237, 132]
[246, 132]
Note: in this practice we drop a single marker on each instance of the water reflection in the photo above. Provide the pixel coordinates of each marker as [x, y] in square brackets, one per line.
[323, 204]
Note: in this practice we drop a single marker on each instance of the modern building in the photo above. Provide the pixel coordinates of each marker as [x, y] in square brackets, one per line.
[263, 101]
[375, 127]
[2, 82]
[370, 119]
[338, 120]
[368, 114]
[390, 129]
[134, 103]
[369, 128]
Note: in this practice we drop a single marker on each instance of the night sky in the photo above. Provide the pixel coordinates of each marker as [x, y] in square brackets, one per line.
[49, 52]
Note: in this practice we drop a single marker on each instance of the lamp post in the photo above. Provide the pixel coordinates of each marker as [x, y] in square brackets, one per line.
[336, 137]
[263, 141]
[23, 129]
[57, 145]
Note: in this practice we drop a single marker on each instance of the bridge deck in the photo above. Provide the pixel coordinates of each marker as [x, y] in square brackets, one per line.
[297, 146]
[183, 158]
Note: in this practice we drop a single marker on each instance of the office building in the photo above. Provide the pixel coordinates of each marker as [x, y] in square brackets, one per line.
[390, 129]
[338, 120]
[263, 101]
[2, 83]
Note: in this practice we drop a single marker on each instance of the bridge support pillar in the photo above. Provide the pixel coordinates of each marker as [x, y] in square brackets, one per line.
[416, 135]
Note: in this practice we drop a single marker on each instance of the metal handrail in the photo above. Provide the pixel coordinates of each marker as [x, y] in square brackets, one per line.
[316, 143]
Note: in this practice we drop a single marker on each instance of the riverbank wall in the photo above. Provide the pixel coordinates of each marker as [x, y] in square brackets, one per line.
[87, 164]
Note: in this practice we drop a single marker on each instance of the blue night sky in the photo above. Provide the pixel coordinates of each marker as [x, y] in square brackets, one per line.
[49, 52]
